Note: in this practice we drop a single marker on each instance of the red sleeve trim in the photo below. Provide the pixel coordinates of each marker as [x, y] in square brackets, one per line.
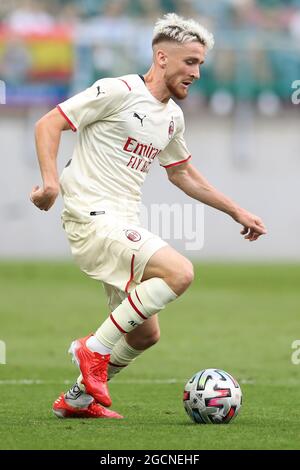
[129, 88]
[177, 163]
[66, 118]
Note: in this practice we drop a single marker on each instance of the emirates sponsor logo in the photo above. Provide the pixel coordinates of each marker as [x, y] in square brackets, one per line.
[171, 129]
[133, 235]
[140, 149]
[142, 155]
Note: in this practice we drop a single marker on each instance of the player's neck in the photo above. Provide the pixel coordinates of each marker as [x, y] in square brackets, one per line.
[156, 86]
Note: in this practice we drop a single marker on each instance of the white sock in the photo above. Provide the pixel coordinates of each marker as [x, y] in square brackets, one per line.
[122, 355]
[147, 298]
[95, 345]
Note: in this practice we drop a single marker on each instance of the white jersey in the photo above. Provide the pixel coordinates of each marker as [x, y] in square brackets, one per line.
[122, 128]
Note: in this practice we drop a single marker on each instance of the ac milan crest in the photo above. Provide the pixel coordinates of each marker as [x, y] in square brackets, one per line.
[132, 235]
[171, 129]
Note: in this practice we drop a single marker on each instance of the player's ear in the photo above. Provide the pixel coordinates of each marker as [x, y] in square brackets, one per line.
[161, 58]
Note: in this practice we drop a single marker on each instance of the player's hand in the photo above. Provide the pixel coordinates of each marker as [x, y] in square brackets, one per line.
[253, 225]
[44, 198]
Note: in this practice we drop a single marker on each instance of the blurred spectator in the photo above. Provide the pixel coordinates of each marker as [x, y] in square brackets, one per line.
[257, 41]
[15, 62]
[294, 26]
[31, 16]
[68, 14]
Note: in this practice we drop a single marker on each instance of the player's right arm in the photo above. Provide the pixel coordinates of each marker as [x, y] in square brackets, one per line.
[47, 137]
[97, 102]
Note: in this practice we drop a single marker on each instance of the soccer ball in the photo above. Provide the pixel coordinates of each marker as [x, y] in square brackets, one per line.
[212, 396]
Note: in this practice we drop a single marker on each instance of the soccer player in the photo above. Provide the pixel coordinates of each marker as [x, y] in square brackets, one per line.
[123, 125]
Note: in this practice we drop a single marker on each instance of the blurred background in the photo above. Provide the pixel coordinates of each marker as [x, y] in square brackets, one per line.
[242, 127]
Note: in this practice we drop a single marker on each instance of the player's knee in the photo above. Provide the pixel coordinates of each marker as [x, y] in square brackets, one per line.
[186, 276]
[181, 278]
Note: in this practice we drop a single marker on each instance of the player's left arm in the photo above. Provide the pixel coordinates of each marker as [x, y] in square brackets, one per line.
[192, 182]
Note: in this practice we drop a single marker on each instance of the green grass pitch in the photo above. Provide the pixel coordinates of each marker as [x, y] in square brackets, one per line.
[240, 318]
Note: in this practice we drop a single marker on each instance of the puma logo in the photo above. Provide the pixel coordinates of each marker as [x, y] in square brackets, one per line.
[140, 118]
[99, 92]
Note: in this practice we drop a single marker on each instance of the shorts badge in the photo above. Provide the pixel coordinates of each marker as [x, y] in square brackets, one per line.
[132, 235]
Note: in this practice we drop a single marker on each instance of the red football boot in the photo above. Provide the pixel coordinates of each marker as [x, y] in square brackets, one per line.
[62, 409]
[93, 367]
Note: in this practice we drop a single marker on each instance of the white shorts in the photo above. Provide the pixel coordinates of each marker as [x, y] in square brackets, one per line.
[112, 251]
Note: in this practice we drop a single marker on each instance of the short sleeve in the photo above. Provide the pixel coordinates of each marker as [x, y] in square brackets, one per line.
[102, 99]
[176, 151]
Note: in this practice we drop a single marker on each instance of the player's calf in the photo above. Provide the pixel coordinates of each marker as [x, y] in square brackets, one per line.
[144, 338]
[128, 348]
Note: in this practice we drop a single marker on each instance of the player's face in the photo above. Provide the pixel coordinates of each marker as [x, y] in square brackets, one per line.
[183, 67]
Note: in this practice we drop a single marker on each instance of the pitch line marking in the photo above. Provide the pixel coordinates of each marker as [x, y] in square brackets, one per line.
[122, 382]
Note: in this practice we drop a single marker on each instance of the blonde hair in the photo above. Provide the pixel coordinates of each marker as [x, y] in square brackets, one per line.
[172, 27]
